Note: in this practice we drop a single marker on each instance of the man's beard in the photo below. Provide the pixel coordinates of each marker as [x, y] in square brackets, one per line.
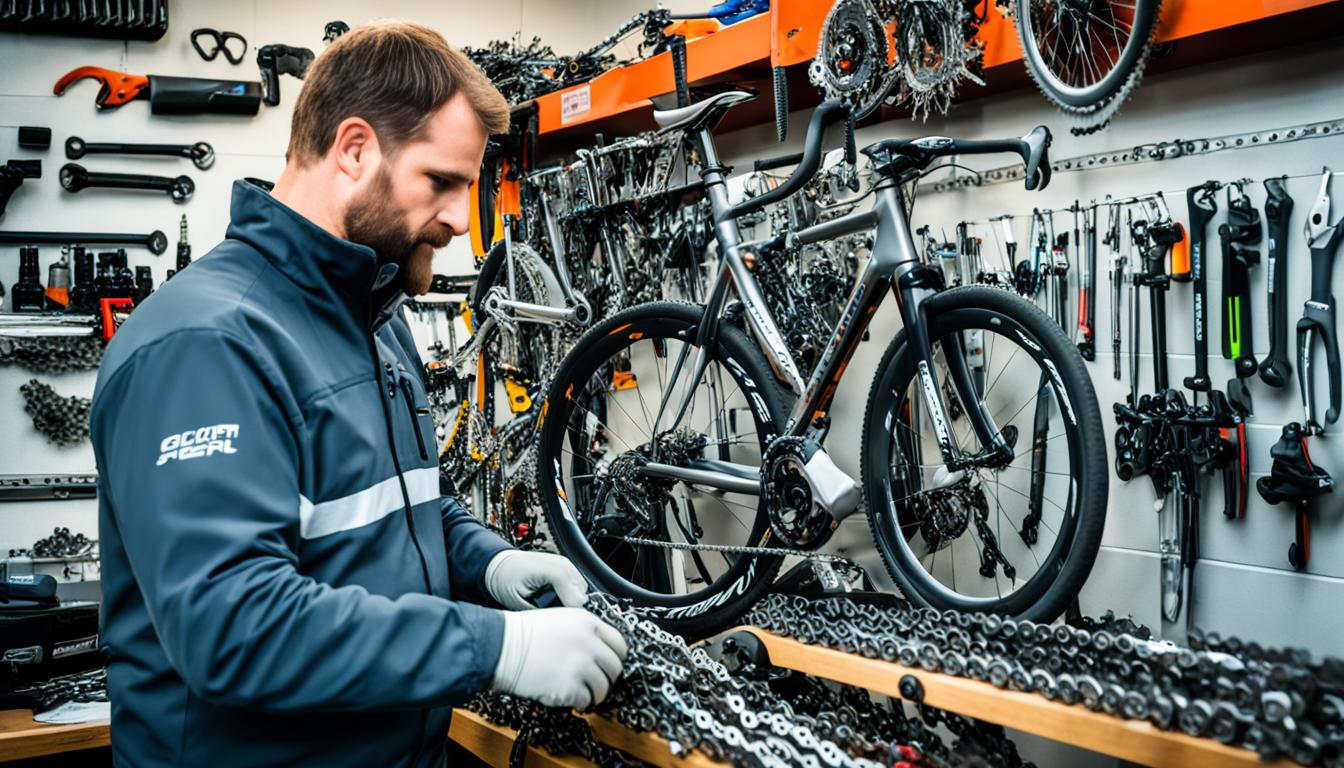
[374, 220]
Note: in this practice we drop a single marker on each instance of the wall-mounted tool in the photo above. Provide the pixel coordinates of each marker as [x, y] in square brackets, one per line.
[12, 175]
[58, 283]
[209, 43]
[1295, 478]
[1318, 314]
[200, 153]
[334, 30]
[1117, 274]
[168, 95]
[104, 19]
[1241, 231]
[155, 241]
[276, 60]
[48, 487]
[75, 177]
[34, 137]
[1087, 284]
[28, 294]
[183, 248]
[1202, 204]
[1275, 368]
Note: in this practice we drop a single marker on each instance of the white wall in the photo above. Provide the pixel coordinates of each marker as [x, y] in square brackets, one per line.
[1244, 582]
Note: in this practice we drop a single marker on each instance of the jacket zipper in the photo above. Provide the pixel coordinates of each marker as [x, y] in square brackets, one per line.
[405, 493]
[415, 419]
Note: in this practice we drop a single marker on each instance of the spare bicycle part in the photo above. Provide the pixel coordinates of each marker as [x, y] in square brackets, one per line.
[935, 52]
[28, 294]
[168, 95]
[1086, 57]
[121, 20]
[209, 43]
[200, 153]
[62, 420]
[34, 137]
[1276, 368]
[12, 175]
[155, 241]
[333, 30]
[1295, 478]
[853, 54]
[276, 60]
[75, 178]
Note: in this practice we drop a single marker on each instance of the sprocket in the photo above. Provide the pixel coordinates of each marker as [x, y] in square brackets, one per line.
[851, 65]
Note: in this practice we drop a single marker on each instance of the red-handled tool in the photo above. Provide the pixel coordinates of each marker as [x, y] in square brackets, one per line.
[168, 95]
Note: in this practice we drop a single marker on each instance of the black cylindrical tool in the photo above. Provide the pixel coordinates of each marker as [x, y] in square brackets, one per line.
[1202, 206]
[1275, 368]
[27, 294]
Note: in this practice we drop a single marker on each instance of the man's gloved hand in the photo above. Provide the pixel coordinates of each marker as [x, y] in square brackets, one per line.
[562, 657]
[514, 576]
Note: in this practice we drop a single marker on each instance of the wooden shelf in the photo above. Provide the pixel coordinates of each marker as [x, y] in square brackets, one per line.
[1132, 740]
[21, 738]
[492, 743]
[619, 99]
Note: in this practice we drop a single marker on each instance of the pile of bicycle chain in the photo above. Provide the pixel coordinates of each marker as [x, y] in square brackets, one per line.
[1275, 702]
[695, 703]
[62, 420]
[53, 354]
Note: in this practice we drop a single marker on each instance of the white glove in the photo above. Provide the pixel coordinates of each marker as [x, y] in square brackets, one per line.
[562, 657]
[514, 576]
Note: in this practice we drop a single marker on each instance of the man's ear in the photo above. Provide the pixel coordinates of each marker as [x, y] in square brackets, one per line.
[356, 148]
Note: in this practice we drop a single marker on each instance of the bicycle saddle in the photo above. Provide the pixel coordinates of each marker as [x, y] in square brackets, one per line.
[701, 114]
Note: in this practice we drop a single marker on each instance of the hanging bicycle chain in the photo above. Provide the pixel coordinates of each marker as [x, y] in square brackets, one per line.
[1146, 153]
[1273, 702]
[62, 420]
[52, 354]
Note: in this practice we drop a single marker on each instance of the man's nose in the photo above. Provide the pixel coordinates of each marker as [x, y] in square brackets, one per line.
[457, 213]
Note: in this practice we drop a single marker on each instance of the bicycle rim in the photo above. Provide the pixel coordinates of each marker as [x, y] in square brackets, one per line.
[1085, 53]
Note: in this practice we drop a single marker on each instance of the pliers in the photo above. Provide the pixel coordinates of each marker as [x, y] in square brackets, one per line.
[1318, 314]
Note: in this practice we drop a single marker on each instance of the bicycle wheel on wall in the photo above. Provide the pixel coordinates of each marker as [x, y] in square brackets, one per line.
[1018, 539]
[1087, 55]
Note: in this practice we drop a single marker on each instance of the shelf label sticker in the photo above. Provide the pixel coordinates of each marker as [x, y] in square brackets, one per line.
[575, 104]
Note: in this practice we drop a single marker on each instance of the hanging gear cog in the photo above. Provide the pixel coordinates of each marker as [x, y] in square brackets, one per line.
[852, 55]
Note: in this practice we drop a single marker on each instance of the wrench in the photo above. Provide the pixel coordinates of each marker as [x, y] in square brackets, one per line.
[74, 178]
[155, 241]
[200, 153]
[1318, 314]
[1275, 368]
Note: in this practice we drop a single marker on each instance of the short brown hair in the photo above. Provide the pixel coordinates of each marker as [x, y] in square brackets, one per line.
[395, 75]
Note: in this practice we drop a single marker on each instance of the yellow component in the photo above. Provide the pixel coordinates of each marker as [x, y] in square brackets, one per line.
[519, 400]
[637, 335]
[541, 417]
[569, 393]
[480, 383]
[623, 380]
[457, 425]
[478, 246]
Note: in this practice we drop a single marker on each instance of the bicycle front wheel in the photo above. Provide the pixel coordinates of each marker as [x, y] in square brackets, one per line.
[1018, 538]
[675, 547]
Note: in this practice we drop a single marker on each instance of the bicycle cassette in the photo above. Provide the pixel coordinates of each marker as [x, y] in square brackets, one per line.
[854, 55]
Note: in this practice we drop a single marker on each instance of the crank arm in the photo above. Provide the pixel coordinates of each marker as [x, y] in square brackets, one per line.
[75, 177]
[200, 153]
[156, 241]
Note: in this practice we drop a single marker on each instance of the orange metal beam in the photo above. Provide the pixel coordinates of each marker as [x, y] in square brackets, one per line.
[792, 29]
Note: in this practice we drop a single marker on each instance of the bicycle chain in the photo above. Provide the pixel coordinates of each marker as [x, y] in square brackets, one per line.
[1145, 153]
[742, 549]
[62, 420]
[61, 543]
[52, 354]
[1273, 702]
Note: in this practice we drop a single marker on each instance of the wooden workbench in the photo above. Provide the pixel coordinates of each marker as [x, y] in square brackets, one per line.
[1134, 740]
[21, 738]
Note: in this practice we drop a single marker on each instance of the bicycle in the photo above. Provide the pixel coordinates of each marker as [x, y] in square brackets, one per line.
[627, 482]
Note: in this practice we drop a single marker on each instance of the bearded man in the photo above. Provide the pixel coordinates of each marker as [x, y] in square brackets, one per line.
[283, 583]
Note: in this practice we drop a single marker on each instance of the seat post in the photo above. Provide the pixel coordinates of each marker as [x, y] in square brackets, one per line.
[716, 187]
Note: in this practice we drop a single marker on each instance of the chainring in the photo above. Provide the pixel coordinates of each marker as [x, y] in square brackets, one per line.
[851, 65]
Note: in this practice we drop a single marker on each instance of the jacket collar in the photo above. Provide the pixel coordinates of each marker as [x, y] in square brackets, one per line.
[331, 268]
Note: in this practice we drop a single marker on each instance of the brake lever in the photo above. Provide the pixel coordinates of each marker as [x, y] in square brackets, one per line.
[1037, 164]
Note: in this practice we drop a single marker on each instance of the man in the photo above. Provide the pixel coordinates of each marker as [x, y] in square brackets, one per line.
[283, 584]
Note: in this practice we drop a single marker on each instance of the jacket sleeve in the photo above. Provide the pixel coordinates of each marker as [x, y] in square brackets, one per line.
[471, 547]
[200, 455]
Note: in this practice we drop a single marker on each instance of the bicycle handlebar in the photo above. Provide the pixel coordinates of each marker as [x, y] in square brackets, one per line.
[1033, 148]
[826, 113]
[771, 163]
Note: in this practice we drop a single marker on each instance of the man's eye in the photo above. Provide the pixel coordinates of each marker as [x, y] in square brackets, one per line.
[440, 183]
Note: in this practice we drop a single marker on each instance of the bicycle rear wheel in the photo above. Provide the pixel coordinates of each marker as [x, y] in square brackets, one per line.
[668, 545]
[1018, 539]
